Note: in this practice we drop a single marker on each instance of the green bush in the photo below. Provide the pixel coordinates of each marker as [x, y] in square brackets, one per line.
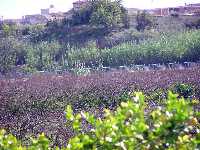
[157, 96]
[184, 90]
[144, 20]
[9, 142]
[174, 48]
[81, 71]
[129, 128]
[13, 52]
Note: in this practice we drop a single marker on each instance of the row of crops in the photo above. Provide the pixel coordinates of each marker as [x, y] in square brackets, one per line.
[179, 47]
[51, 56]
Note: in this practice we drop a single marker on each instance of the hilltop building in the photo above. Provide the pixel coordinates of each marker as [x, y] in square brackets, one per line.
[45, 12]
[45, 15]
[52, 13]
[34, 19]
[187, 10]
[80, 4]
[48, 11]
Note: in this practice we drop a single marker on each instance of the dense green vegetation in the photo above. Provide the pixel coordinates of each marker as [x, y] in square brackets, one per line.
[106, 13]
[52, 55]
[175, 48]
[143, 20]
[172, 126]
[97, 36]
[9, 142]
[130, 128]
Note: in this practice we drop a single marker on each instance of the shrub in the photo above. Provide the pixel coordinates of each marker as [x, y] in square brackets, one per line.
[12, 53]
[129, 128]
[81, 71]
[9, 142]
[174, 48]
[156, 96]
[184, 90]
[194, 24]
[143, 21]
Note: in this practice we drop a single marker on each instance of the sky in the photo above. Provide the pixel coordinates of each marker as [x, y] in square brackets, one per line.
[17, 8]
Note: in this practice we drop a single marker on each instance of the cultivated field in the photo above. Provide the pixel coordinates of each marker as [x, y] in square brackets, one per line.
[33, 105]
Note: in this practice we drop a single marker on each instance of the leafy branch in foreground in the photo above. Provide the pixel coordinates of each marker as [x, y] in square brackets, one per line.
[174, 126]
[9, 142]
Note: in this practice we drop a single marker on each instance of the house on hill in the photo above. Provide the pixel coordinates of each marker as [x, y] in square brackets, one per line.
[34, 19]
[80, 4]
[57, 16]
[52, 13]
[188, 9]
[193, 9]
[46, 15]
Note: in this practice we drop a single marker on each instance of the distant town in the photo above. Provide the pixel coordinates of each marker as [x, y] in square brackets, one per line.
[52, 13]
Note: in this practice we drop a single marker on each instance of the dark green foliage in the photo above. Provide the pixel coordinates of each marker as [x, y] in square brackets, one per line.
[9, 29]
[82, 16]
[150, 46]
[192, 24]
[40, 56]
[8, 55]
[43, 56]
[143, 20]
[125, 18]
[104, 13]
[107, 13]
[157, 96]
[184, 90]
[36, 33]
[175, 48]
[129, 128]
[12, 52]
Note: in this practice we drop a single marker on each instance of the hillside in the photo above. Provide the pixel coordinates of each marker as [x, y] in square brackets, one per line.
[80, 35]
[131, 39]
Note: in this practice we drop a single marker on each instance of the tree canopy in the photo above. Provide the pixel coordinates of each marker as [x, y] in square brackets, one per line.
[105, 13]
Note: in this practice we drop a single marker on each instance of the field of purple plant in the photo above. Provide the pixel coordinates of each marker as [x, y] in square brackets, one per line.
[33, 105]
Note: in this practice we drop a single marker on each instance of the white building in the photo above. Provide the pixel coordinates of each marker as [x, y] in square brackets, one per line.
[46, 12]
[52, 9]
[34, 19]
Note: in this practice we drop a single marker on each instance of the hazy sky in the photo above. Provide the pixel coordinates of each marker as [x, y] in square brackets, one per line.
[18, 8]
